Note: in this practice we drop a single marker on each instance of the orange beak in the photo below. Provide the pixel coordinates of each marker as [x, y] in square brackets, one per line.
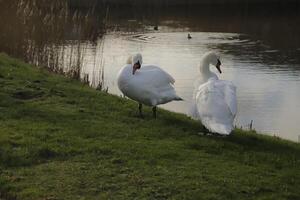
[218, 66]
[135, 67]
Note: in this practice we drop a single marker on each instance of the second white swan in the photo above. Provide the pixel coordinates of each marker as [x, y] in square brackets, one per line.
[215, 102]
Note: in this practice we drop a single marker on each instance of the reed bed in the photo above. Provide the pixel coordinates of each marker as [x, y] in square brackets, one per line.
[51, 33]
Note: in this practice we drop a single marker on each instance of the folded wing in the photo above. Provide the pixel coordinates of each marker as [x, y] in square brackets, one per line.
[217, 105]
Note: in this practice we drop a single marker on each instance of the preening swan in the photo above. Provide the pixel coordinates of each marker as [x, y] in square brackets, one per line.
[146, 84]
[215, 101]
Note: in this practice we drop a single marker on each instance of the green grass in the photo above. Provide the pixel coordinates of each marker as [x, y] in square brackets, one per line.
[60, 139]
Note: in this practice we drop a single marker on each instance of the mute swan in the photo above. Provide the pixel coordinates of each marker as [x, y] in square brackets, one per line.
[146, 84]
[215, 101]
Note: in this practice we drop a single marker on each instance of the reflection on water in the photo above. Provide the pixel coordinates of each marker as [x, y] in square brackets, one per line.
[260, 49]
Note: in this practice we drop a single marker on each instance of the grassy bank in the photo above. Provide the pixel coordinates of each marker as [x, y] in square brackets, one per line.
[60, 139]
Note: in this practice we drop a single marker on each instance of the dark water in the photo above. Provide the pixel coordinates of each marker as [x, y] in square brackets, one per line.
[259, 47]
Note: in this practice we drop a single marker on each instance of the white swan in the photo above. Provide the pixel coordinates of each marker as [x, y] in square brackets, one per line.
[146, 84]
[215, 101]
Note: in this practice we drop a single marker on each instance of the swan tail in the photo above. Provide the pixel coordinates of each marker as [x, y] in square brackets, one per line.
[219, 128]
[129, 60]
[177, 98]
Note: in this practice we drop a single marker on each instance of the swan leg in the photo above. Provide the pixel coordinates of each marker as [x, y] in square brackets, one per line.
[140, 110]
[154, 111]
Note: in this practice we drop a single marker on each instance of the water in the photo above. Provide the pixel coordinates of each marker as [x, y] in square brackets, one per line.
[260, 51]
[267, 93]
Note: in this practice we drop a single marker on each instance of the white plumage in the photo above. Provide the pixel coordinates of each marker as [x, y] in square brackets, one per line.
[215, 101]
[149, 84]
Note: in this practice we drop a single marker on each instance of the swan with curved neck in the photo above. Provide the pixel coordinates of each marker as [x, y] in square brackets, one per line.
[208, 59]
[215, 101]
[146, 84]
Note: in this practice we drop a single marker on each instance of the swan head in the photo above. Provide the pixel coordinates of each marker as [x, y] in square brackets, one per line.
[137, 61]
[213, 59]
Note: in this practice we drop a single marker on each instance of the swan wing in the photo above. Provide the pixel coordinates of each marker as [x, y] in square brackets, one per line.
[149, 85]
[156, 75]
[217, 106]
[230, 96]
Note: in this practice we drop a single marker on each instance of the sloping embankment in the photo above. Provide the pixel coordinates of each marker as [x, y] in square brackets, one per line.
[60, 139]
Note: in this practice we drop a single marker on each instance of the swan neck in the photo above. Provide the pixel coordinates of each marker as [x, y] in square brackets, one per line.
[204, 68]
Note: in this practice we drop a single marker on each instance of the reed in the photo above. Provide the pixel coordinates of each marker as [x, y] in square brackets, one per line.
[51, 33]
